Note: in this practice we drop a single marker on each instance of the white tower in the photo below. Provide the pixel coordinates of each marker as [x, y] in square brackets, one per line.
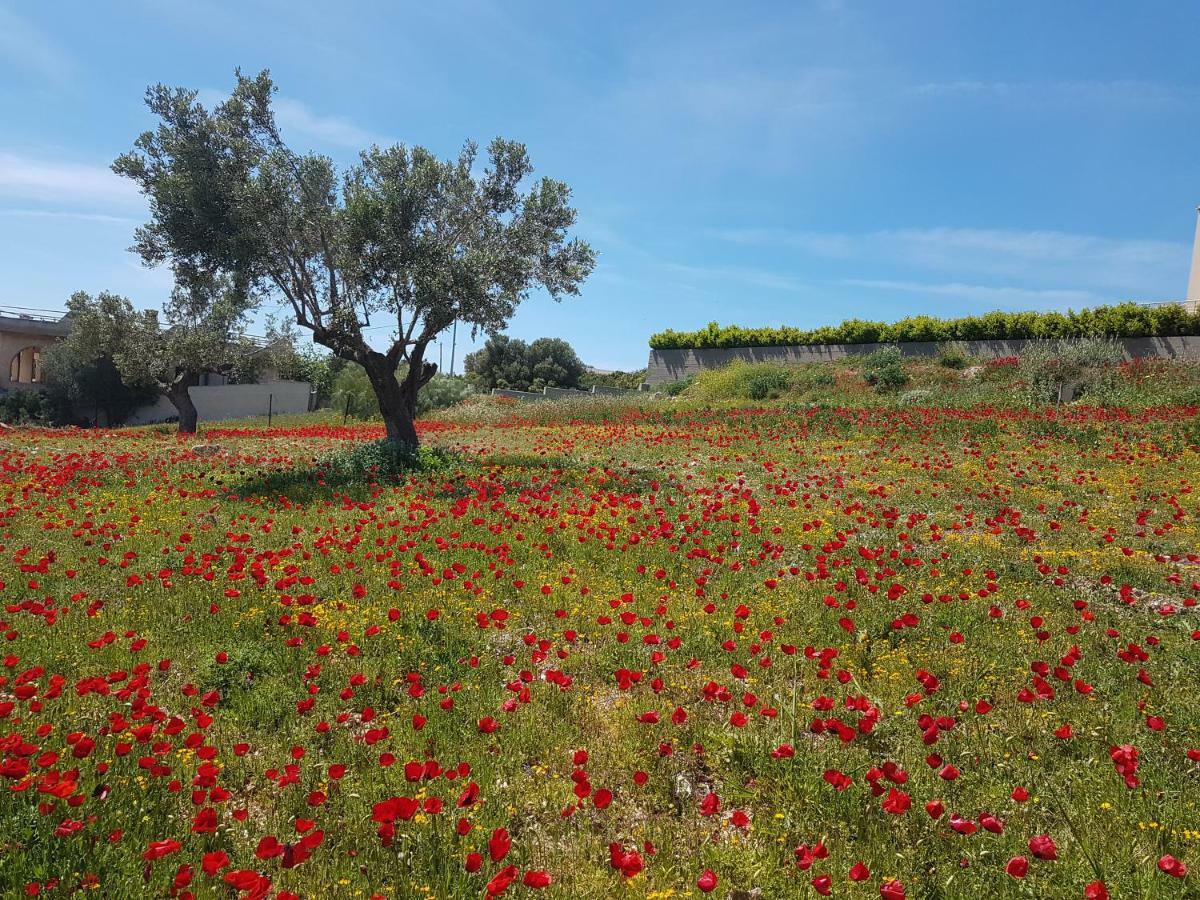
[1193, 292]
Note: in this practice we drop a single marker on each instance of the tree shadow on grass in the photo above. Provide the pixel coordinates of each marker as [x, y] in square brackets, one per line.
[356, 473]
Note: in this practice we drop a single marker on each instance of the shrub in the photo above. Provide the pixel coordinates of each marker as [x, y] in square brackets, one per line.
[675, 388]
[766, 384]
[23, 407]
[886, 378]
[627, 381]
[953, 355]
[1050, 370]
[918, 397]
[380, 461]
[883, 369]
[741, 381]
[442, 392]
[813, 377]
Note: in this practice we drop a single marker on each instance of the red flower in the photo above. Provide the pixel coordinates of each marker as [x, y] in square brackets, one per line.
[707, 881]
[627, 862]
[499, 844]
[214, 862]
[501, 880]
[1172, 866]
[897, 802]
[537, 879]
[1042, 846]
[859, 872]
[1017, 867]
[891, 890]
[159, 849]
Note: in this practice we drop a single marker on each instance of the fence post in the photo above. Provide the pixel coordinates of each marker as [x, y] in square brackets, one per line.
[270, 408]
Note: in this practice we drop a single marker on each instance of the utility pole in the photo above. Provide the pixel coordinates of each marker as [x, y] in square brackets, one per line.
[453, 344]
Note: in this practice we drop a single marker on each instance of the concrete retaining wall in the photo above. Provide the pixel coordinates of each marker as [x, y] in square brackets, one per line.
[674, 365]
[232, 401]
[553, 393]
[517, 395]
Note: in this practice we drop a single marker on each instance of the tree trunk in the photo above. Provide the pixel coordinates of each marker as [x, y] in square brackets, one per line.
[394, 405]
[178, 394]
[398, 399]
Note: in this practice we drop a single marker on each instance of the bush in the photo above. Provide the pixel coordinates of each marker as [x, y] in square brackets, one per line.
[741, 381]
[352, 394]
[766, 384]
[24, 407]
[1120, 320]
[675, 388]
[953, 355]
[380, 461]
[627, 381]
[883, 369]
[886, 378]
[813, 377]
[918, 397]
[1051, 370]
[442, 392]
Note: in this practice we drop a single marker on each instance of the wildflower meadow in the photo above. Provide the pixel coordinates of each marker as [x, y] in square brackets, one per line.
[909, 652]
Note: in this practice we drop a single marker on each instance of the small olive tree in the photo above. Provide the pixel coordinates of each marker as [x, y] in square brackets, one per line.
[402, 240]
[200, 331]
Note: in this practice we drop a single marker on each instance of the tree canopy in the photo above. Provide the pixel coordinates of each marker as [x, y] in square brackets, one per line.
[505, 362]
[401, 241]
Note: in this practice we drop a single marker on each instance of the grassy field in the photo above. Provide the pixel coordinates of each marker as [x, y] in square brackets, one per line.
[606, 651]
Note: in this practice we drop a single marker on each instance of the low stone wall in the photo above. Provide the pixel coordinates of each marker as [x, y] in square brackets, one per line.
[674, 365]
[232, 401]
[553, 393]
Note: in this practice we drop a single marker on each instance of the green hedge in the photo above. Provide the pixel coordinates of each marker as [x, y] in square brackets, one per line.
[1125, 320]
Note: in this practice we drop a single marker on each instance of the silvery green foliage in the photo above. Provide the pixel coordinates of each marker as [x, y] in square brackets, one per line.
[402, 239]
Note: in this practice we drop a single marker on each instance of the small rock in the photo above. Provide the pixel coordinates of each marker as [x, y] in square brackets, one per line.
[207, 449]
[681, 790]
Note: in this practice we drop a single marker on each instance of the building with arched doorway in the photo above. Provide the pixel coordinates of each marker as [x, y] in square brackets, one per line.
[26, 334]
[24, 337]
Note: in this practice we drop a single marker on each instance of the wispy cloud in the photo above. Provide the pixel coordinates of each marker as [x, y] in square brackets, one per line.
[27, 48]
[31, 178]
[101, 218]
[293, 115]
[1043, 93]
[982, 294]
[763, 278]
[297, 118]
[1086, 262]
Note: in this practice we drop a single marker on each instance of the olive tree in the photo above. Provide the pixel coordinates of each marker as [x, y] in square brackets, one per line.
[402, 239]
[200, 331]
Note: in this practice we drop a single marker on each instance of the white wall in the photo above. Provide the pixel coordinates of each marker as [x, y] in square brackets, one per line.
[232, 401]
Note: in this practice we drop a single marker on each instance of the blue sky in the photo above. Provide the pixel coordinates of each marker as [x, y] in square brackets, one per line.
[754, 163]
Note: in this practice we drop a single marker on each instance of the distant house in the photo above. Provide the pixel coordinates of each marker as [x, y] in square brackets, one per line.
[24, 336]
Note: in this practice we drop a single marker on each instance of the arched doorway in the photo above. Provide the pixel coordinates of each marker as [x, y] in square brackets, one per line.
[26, 366]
